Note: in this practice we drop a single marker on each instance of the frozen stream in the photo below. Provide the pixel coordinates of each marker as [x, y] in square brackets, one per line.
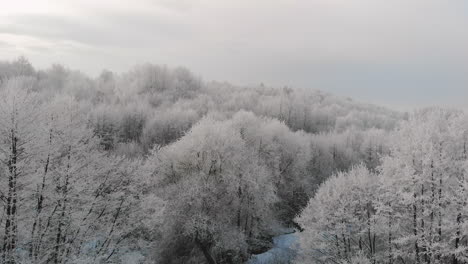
[281, 253]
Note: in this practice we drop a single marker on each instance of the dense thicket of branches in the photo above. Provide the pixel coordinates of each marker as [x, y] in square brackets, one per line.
[156, 165]
[413, 209]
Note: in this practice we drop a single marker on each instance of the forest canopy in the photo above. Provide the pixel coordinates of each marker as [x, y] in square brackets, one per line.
[155, 165]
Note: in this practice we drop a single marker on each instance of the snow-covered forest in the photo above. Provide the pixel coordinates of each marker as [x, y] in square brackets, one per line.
[156, 165]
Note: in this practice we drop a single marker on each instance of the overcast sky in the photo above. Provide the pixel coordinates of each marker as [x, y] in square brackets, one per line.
[401, 53]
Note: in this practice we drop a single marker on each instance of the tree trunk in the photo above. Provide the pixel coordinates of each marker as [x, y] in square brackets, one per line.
[415, 231]
[440, 215]
[390, 254]
[40, 199]
[60, 236]
[457, 239]
[369, 235]
[423, 235]
[9, 243]
[239, 195]
[431, 227]
[206, 252]
[337, 243]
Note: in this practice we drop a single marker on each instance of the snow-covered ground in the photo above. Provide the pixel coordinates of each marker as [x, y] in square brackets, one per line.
[281, 253]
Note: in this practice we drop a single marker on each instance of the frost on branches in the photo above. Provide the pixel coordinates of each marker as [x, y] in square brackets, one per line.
[412, 210]
[64, 199]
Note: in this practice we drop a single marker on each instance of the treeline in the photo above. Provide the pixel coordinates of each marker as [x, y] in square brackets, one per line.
[413, 209]
[155, 104]
[156, 165]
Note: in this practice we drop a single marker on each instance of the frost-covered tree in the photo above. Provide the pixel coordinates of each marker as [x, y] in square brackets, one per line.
[340, 221]
[218, 193]
[285, 154]
[418, 199]
[426, 163]
[18, 148]
[64, 198]
[87, 193]
[81, 194]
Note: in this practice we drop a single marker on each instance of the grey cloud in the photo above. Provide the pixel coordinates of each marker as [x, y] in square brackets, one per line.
[118, 30]
[4, 44]
[373, 49]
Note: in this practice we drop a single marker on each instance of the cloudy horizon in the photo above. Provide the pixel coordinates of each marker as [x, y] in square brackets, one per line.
[394, 53]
